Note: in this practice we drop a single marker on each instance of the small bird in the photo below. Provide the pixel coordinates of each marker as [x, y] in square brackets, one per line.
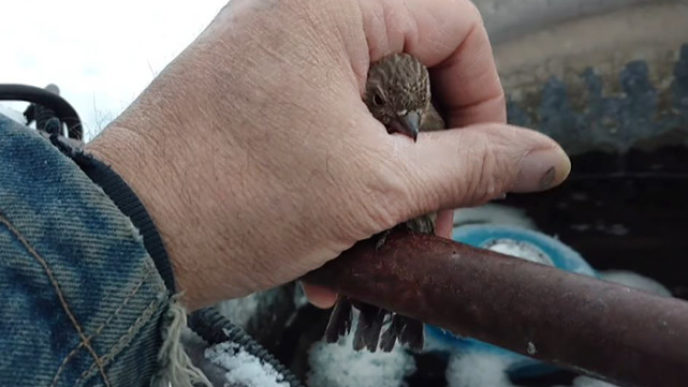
[398, 95]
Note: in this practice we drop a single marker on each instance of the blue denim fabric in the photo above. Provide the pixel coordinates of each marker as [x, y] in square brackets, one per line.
[81, 302]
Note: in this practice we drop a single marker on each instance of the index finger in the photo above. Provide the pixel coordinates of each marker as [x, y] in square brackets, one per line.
[449, 37]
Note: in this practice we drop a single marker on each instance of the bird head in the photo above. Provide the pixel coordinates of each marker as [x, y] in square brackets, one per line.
[398, 93]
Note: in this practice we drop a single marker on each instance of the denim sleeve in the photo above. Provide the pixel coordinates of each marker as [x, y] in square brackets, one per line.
[81, 301]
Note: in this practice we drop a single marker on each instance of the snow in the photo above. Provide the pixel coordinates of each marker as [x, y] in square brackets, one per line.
[478, 369]
[338, 365]
[523, 250]
[242, 367]
[522, 242]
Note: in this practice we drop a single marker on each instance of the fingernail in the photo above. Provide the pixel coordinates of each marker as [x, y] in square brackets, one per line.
[541, 170]
[548, 179]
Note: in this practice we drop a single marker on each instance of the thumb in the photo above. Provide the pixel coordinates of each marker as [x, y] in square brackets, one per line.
[472, 165]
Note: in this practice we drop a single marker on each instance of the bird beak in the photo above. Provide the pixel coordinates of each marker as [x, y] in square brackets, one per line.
[408, 124]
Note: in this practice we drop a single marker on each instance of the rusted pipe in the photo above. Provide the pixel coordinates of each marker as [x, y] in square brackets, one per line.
[602, 329]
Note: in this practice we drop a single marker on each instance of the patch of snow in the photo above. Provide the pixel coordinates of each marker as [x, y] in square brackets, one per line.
[242, 367]
[338, 365]
[477, 369]
[486, 368]
[524, 250]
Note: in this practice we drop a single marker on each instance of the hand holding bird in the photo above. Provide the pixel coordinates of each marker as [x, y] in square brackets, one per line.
[258, 162]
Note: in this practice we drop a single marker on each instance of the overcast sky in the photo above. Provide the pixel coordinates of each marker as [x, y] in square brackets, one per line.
[100, 53]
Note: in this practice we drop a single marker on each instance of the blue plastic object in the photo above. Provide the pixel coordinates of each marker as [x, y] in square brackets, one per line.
[526, 244]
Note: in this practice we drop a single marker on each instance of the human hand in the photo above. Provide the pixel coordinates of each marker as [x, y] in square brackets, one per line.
[258, 161]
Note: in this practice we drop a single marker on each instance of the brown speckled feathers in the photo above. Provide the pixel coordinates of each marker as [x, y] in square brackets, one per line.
[398, 95]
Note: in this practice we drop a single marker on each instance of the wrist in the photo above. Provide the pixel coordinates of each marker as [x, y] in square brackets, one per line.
[172, 201]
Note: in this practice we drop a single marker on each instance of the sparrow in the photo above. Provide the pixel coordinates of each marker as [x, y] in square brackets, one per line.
[397, 94]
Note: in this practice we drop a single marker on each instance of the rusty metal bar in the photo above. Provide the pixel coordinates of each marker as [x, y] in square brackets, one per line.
[602, 329]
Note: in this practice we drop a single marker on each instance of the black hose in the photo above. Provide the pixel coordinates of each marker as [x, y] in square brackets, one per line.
[214, 328]
[64, 111]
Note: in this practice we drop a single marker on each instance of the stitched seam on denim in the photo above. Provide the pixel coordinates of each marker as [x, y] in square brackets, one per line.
[126, 338]
[65, 306]
[148, 270]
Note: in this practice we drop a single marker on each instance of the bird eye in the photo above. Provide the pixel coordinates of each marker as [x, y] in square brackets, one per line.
[378, 100]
